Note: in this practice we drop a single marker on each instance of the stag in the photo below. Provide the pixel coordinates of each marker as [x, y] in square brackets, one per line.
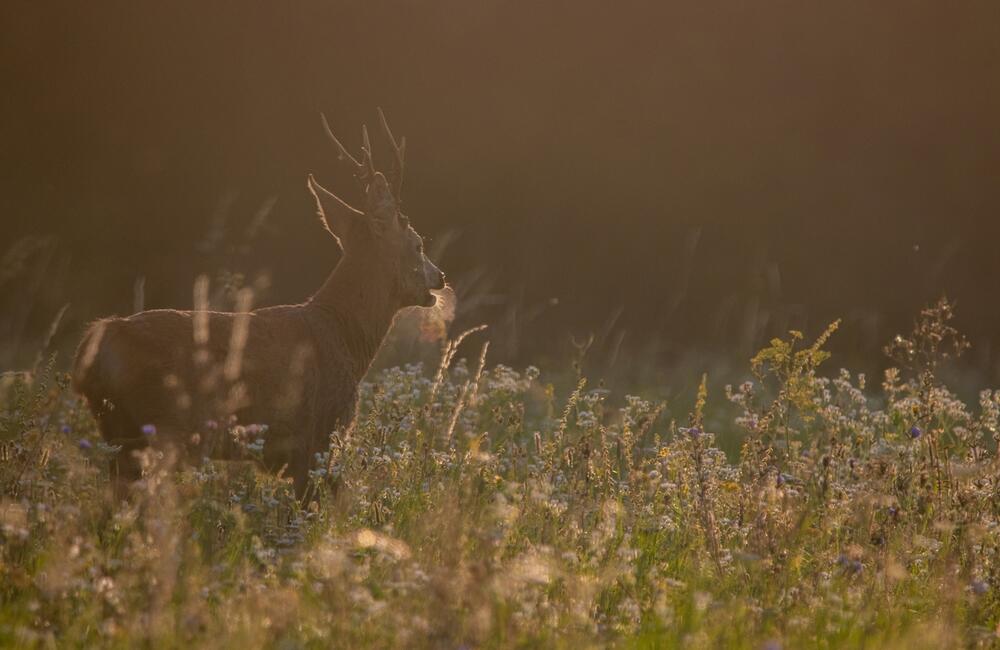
[165, 376]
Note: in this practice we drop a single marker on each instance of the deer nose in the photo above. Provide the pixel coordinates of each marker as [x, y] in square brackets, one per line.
[433, 275]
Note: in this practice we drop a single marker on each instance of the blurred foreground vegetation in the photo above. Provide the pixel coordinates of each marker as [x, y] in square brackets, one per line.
[472, 506]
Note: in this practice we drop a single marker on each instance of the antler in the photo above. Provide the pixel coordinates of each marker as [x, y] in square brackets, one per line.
[363, 171]
[399, 150]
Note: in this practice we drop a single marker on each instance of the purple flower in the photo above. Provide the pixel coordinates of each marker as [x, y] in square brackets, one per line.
[915, 432]
[979, 587]
[211, 425]
[84, 444]
[850, 566]
[65, 428]
[149, 429]
[694, 432]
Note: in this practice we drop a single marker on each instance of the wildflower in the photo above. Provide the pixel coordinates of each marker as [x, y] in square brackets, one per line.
[149, 429]
[65, 428]
[915, 432]
[366, 538]
[84, 444]
[586, 420]
[211, 425]
[850, 566]
[979, 587]
[694, 432]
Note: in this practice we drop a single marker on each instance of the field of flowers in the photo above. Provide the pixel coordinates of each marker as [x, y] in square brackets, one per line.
[473, 507]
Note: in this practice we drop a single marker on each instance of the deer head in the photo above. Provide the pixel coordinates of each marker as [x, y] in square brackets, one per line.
[380, 234]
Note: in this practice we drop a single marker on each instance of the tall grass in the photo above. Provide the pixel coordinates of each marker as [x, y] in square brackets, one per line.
[472, 507]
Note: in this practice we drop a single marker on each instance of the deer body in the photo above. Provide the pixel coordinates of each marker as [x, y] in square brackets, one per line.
[163, 377]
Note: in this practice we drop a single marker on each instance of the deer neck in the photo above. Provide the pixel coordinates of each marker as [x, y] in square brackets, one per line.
[360, 303]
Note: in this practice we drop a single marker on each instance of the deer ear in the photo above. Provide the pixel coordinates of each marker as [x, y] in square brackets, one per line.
[336, 216]
[380, 203]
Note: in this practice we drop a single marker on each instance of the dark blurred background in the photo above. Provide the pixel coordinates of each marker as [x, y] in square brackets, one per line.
[681, 179]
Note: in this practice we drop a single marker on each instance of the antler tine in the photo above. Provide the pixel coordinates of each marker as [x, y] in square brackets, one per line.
[400, 157]
[368, 162]
[342, 152]
[399, 150]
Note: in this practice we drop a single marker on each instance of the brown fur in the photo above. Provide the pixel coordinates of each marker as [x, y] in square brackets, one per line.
[295, 368]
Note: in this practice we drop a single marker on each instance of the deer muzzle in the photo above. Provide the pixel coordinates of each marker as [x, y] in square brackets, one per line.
[433, 276]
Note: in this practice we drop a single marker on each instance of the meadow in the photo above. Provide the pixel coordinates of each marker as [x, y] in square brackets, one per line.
[477, 506]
